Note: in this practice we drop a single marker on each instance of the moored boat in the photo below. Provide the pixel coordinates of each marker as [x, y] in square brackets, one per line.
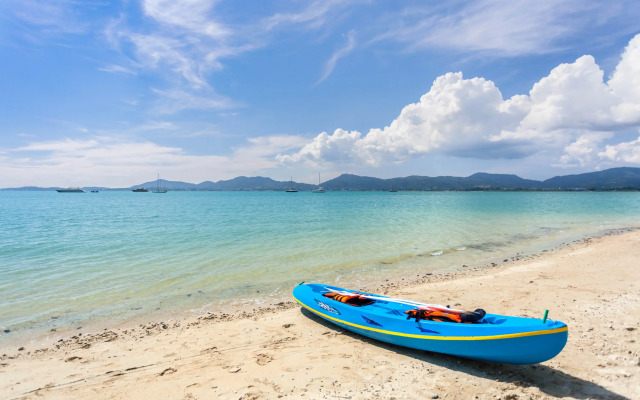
[319, 189]
[159, 189]
[71, 190]
[291, 188]
[140, 190]
[491, 337]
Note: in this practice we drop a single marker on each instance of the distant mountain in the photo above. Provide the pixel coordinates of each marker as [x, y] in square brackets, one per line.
[477, 181]
[239, 183]
[503, 181]
[32, 188]
[355, 182]
[614, 178]
[170, 185]
[252, 183]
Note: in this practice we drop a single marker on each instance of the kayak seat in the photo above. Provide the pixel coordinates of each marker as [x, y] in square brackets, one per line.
[353, 300]
[442, 315]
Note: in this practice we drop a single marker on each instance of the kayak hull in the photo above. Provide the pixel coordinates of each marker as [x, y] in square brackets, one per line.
[496, 338]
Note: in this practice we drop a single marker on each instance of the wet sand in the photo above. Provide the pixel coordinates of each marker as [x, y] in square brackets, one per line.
[285, 352]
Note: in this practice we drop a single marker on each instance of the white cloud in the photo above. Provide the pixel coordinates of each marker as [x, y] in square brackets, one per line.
[342, 52]
[584, 150]
[498, 28]
[183, 45]
[156, 126]
[265, 148]
[572, 110]
[454, 117]
[116, 162]
[156, 52]
[176, 100]
[188, 40]
[342, 146]
[192, 15]
[628, 152]
[117, 69]
[313, 16]
[625, 84]
[572, 96]
[53, 16]
[268, 145]
[65, 146]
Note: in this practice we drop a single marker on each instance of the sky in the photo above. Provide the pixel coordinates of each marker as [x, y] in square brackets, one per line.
[113, 93]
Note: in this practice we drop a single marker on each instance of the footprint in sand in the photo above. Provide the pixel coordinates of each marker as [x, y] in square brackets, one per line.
[168, 371]
[263, 359]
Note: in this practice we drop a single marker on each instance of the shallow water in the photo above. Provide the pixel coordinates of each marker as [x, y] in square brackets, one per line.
[71, 259]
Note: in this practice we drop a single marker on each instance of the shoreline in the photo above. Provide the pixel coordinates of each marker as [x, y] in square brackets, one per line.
[386, 274]
[291, 354]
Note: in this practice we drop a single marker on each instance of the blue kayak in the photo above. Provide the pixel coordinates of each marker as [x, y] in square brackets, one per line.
[492, 337]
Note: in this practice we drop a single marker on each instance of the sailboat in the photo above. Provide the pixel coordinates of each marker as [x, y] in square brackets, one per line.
[158, 188]
[291, 188]
[319, 189]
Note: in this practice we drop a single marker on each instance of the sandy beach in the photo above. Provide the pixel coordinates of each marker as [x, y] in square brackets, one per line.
[285, 352]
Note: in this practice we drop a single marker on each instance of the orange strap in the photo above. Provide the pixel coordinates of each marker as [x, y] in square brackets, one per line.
[433, 315]
[340, 297]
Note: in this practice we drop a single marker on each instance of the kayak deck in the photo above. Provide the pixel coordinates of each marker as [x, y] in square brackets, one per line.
[495, 337]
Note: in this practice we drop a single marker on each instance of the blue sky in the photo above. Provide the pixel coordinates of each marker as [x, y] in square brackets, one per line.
[111, 93]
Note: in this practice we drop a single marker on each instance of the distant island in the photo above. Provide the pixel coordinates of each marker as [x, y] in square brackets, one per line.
[623, 178]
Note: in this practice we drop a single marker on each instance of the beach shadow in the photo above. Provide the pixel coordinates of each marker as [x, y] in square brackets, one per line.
[549, 380]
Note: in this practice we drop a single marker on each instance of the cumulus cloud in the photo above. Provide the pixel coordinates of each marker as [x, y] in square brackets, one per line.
[572, 109]
[584, 150]
[625, 83]
[626, 152]
[454, 117]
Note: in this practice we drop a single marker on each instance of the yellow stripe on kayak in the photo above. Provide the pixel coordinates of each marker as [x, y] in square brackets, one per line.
[494, 337]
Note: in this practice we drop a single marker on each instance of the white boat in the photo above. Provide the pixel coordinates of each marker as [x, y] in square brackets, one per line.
[291, 188]
[319, 189]
[158, 188]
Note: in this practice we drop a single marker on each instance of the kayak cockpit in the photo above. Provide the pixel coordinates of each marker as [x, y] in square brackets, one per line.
[354, 299]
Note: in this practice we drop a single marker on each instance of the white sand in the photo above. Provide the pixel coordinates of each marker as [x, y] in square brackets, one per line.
[593, 286]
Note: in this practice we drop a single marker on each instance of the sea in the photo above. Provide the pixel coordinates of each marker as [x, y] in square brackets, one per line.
[71, 261]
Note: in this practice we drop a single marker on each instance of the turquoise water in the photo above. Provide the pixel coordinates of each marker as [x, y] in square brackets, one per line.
[72, 259]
